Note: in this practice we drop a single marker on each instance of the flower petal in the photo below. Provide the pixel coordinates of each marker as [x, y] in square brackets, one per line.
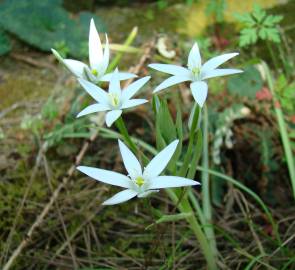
[171, 69]
[120, 197]
[105, 176]
[133, 103]
[194, 57]
[133, 88]
[112, 116]
[171, 81]
[122, 76]
[114, 86]
[217, 61]
[147, 193]
[130, 161]
[160, 161]
[171, 182]
[220, 72]
[106, 57]
[93, 108]
[199, 91]
[95, 48]
[74, 66]
[96, 92]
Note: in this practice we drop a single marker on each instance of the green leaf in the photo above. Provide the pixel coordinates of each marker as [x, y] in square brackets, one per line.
[246, 84]
[272, 20]
[46, 23]
[273, 35]
[5, 45]
[258, 25]
[258, 13]
[164, 123]
[248, 36]
[246, 19]
[170, 218]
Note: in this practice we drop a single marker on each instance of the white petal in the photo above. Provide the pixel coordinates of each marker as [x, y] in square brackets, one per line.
[133, 88]
[194, 57]
[105, 176]
[95, 48]
[96, 92]
[93, 108]
[220, 72]
[171, 182]
[133, 103]
[114, 86]
[199, 91]
[160, 161]
[171, 81]
[131, 163]
[120, 197]
[112, 116]
[122, 76]
[147, 193]
[106, 57]
[171, 69]
[217, 61]
[76, 67]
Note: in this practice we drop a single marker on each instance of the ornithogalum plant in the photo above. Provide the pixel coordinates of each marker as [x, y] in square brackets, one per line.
[145, 178]
[98, 61]
[139, 182]
[195, 72]
[116, 100]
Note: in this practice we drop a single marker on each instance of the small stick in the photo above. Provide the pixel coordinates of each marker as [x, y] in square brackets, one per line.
[69, 174]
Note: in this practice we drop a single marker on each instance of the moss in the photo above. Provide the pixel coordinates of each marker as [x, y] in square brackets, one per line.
[21, 82]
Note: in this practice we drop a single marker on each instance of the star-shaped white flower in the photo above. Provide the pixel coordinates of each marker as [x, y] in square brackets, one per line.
[196, 73]
[98, 60]
[139, 182]
[115, 100]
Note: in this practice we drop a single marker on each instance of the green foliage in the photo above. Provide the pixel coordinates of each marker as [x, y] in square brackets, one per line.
[170, 218]
[216, 8]
[166, 130]
[5, 45]
[44, 24]
[258, 25]
[286, 94]
[246, 84]
[162, 4]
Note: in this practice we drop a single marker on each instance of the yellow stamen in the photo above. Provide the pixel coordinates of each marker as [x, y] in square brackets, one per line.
[114, 99]
[139, 181]
[94, 72]
[196, 71]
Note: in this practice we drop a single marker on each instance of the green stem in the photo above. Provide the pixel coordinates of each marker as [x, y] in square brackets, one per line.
[185, 207]
[207, 209]
[119, 55]
[124, 132]
[273, 55]
[192, 134]
[283, 129]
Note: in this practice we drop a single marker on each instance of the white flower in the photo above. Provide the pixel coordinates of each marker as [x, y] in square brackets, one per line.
[98, 60]
[196, 72]
[115, 100]
[139, 182]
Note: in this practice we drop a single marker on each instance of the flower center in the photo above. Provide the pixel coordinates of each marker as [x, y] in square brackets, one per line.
[114, 98]
[196, 71]
[94, 72]
[139, 181]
